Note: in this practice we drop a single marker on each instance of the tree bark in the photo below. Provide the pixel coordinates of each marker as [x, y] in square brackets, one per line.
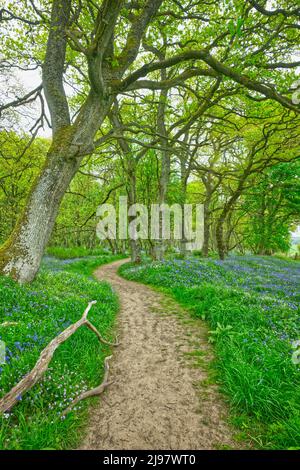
[135, 247]
[207, 215]
[220, 238]
[210, 189]
[206, 231]
[21, 255]
[183, 188]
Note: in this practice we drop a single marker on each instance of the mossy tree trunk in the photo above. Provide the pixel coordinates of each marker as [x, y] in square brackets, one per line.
[21, 255]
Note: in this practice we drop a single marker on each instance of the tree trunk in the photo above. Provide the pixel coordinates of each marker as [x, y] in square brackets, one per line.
[222, 249]
[183, 184]
[209, 191]
[135, 247]
[206, 230]
[130, 163]
[135, 251]
[21, 255]
[260, 226]
[220, 238]
[160, 245]
[158, 250]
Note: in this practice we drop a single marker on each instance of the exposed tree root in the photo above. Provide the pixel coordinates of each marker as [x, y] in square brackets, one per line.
[41, 366]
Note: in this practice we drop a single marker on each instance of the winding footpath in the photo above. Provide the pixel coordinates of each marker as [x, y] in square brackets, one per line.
[160, 397]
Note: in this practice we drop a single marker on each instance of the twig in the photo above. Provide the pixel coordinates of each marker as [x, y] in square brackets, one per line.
[8, 323]
[94, 391]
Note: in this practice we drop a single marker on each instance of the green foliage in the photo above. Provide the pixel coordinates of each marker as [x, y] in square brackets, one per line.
[236, 28]
[76, 221]
[42, 310]
[18, 169]
[273, 206]
[73, 252]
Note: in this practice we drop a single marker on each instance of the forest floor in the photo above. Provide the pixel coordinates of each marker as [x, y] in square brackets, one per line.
[161, 396]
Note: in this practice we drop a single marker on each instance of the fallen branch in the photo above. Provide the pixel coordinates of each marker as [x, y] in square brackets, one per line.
[8, 323]
[13, 396]
[94, 391]
[101, 339]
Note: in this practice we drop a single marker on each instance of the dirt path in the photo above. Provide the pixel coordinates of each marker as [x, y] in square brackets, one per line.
[160, 398]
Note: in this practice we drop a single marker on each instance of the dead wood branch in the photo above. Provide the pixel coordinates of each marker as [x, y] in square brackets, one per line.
[8, 323]
[94, 391]
[101, 339]
[12, 397]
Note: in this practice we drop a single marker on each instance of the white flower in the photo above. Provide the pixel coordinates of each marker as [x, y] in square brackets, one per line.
[296, 357]
[295, 344]
[296, 353]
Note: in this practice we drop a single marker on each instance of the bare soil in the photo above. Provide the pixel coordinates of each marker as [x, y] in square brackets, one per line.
[161, 396]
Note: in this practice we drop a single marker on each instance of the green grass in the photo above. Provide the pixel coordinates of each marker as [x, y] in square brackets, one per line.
[85, 266]
[74, 252]
[251, 305]
[42, 310]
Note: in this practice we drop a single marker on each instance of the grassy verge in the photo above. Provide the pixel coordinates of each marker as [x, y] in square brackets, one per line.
[42, 310]
[252, 307]
[74, 252]
[84, 266]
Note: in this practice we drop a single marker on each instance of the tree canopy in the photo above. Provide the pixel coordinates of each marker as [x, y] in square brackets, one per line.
[162, 100]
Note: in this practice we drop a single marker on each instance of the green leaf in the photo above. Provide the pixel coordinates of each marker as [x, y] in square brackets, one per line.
[240, 23]
[231, 28]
